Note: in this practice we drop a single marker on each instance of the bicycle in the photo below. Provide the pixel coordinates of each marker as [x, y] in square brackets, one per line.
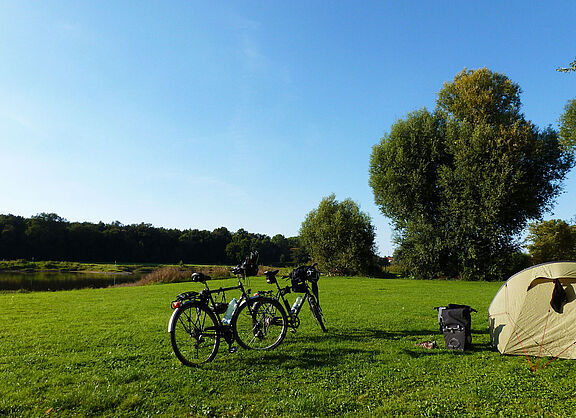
[197, 325]
[300, 278]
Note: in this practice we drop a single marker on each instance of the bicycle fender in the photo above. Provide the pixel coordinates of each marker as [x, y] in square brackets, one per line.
[172, 322]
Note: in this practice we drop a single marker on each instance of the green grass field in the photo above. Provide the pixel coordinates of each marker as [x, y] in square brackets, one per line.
[106, 352]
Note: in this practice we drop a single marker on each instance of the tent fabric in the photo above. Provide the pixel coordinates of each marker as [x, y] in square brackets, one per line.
[559, 297]
[522, 321]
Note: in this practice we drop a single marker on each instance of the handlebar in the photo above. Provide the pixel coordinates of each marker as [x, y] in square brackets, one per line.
[237, 270]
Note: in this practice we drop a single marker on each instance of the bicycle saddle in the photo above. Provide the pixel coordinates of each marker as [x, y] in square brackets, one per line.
[199, 277]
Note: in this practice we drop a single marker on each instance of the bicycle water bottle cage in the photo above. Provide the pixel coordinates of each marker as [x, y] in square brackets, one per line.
[199, 277]
[219, 307]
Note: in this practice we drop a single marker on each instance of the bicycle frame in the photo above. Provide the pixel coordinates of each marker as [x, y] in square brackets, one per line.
[205, 297]
[293, 319]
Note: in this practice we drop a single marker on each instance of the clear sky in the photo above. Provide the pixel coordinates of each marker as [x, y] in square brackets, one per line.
[244, 114]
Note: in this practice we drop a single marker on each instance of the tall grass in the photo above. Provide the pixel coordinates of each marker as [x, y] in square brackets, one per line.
[177, 274]
[106, 352]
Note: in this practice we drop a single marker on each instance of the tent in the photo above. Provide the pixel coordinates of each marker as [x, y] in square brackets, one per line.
[534, 312]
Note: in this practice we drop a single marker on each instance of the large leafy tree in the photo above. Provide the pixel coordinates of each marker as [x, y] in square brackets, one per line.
[339, 237]
[461, 182]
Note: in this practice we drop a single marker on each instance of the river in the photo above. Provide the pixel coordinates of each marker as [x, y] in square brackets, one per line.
[49, 281]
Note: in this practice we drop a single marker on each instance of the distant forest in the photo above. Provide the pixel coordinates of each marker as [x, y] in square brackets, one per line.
[47, 236]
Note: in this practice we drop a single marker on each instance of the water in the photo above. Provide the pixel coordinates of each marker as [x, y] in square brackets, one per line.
[61, 281]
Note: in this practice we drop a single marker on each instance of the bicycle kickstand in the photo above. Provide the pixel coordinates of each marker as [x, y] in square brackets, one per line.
[229, 338]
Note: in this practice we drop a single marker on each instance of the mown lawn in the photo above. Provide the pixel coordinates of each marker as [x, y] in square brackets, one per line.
[106, 352]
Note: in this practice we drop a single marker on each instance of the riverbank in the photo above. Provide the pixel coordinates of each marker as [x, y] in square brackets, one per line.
[27, 266]
[25, 275]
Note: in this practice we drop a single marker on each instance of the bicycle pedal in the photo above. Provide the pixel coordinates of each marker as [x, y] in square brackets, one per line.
[232, 349]
[293, 330]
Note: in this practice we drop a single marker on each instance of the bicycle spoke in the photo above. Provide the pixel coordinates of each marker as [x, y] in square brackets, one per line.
[195, 338]
[260, 325]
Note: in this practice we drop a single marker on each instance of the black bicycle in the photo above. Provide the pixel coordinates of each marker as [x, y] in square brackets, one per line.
[201, 319]
[302, 280]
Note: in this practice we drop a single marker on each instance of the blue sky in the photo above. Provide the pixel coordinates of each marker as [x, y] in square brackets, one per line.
[244, 114]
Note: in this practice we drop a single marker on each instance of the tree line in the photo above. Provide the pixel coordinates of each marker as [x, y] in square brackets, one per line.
[47, 236]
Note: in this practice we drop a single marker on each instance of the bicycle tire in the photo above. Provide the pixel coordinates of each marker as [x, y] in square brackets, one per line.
[194, 336]
[316, 311]
[260, 324]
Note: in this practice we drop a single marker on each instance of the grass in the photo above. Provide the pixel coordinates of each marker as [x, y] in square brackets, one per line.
[182, 273]
[106, 352]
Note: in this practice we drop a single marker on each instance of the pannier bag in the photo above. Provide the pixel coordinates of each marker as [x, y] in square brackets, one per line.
[300, 275]
[250, 265]
[455, 323]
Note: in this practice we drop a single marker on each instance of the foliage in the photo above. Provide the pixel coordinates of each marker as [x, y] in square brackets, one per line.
[339, 237]
[568, 125]
[460, 183]
[481, 97]
[50, 237]
[553, 240]
[277, 249]
[570, 68]
[106, 352]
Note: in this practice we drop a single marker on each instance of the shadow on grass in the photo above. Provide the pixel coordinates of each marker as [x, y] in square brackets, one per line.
[339, 338]
[332, 349]
[440, 350]
[307, 359]
[362, 335]
[336, 346]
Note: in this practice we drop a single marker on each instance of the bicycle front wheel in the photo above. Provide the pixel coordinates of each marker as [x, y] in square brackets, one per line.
[194, 335]
[260, 324]
[316, 311]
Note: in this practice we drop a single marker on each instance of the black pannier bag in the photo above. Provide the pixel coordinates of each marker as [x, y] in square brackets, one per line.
[250, 265]
[299, 275]
[455, 323]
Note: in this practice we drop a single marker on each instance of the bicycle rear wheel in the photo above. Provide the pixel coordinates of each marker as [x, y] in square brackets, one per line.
[316, 311]
[194, 335]
[260, 324]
